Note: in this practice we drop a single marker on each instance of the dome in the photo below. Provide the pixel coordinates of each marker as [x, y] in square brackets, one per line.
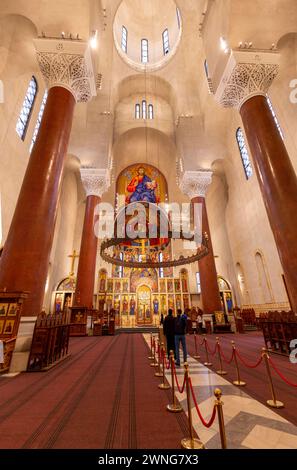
[147, 32]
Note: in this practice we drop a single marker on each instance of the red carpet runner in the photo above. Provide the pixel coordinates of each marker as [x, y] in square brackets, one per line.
[103, 396]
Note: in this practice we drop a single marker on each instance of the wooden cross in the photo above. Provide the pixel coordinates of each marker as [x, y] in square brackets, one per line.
[73, 258]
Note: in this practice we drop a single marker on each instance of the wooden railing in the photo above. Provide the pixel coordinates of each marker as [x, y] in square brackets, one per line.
[50, 341]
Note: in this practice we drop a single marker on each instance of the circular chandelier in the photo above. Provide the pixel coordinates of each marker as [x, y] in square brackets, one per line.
[150, 263]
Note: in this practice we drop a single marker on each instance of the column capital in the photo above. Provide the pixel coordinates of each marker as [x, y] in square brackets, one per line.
[247, 74]
[67, 64]
[195, 183]
[95, 181]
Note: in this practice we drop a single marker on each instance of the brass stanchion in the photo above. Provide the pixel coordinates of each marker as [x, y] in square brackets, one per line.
[173, 407]
[158, 373]
[196, 347]
[219, 406]
[151, 357]
[238, 382]
[154, 363]
[190, 442]
[274, 403]
[207, 363]
[163, 385]
[221, 371]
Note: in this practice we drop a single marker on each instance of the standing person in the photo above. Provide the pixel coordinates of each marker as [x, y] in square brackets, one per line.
[180, 327]
[162, 319]
[169, 331]
[200, 320]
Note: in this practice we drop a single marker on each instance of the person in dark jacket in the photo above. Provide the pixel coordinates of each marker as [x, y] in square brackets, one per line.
[180, 326]
[169, 331]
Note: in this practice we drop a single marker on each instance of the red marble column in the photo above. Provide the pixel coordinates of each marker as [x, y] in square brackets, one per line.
[87, 257]
[278, 183]
[208, 275]
[25, 259]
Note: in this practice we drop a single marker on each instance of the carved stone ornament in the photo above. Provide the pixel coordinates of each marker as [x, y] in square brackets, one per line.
[67, 64]
[247, 74]
[195, 183]
[95, 181]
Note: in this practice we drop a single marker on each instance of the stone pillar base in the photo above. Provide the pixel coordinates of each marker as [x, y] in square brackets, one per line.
[23, 343]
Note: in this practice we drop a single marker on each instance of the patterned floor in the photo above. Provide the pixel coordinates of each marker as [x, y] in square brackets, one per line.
[249, 423]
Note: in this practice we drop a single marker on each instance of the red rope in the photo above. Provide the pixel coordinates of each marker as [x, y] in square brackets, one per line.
[214, 412]
[203, 341]
[212, 353]
[181, 390]
[250, 366]
[224, 357]
[288, 382]
[167, 363]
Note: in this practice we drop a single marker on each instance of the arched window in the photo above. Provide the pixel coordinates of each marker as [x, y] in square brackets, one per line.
[39, 119]
[150, 111]
[166, 46]
[121, 270]
[264, 282]
[26, 111]
[178, 17]
[124, 39]
[206, 69]
[198, 283]
[275, 118]
[161, 270]
[144, 110]
[247, 166]
[137, 111]
[144, 51]
[242, 285]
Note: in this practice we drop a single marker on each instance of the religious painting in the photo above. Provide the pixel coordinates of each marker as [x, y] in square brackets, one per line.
[13, 310]
[171, 302]
[1, 326]
[220, 318]
[125, 305]
[186, 302]
[185, 280]
[58, 302]
[147, 276]
[163, 304]
[170, 285]
[117, 302]
[156, 305]
[162, 285]
[132, 305]
[109, 303]
[67, 301]
[3, 310]
[110, 285]
[102, 280]
[178, 302]
[8, 328]
[142, 183]
[177, 285]
[67, 284]
[125, 286]
[117, 286]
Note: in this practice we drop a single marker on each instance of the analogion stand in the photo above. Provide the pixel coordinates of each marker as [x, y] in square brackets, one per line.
[78, 321]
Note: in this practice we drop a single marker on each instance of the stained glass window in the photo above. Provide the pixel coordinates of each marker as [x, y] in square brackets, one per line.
[161, 270]
[166, 47]
[124, 39]
[247, 166]
[39, 119]
[25, 114]
[144, 51]
[198, 283]
[275, 118]
[178, 17]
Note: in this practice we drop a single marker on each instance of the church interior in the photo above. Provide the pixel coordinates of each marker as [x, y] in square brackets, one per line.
[183, 107]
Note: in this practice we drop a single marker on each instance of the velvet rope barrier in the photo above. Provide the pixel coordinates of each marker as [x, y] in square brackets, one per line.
[287, 381]
[212, 353]
[250, 366]
[228, 361]
[180, 389]
[214, 412]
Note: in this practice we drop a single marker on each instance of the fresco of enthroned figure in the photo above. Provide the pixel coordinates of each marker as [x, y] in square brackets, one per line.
[142, 188]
